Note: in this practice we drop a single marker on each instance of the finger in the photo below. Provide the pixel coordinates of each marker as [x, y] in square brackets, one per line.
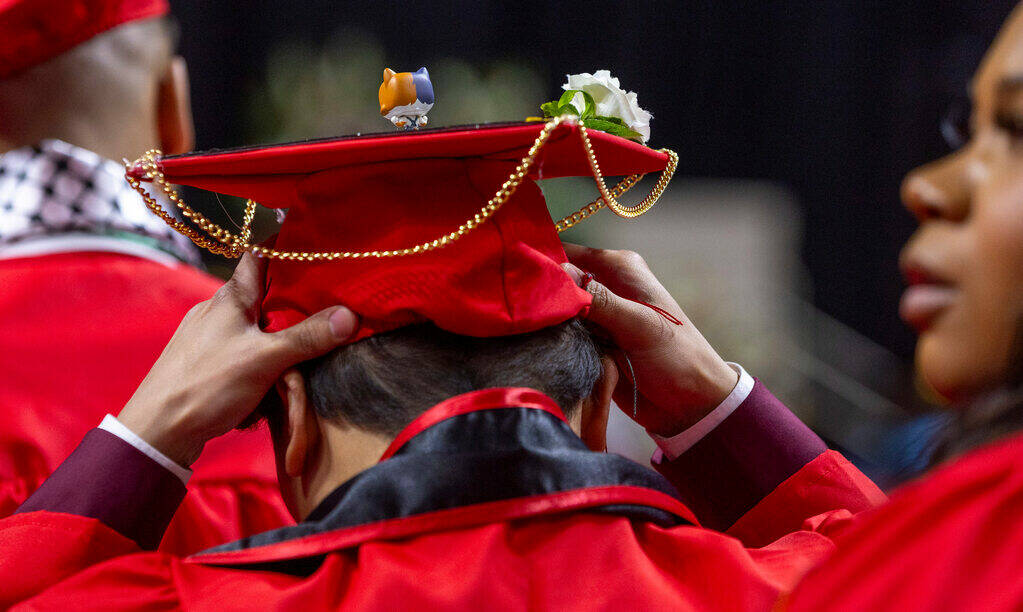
[578, 276]
[579, 254]
[625, 272]
[605, 300]
[313, 337]
[602, 261]
[247, 280]
[629, 324]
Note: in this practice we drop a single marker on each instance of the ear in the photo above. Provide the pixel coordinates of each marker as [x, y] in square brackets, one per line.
[423, 72]
[174, 110]
[595, 408]
[388, 73]
[301, 432]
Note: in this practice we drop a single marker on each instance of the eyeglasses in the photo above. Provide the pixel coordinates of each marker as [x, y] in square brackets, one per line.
[955, 123]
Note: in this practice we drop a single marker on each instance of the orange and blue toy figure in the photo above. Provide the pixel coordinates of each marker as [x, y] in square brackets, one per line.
[406, 97]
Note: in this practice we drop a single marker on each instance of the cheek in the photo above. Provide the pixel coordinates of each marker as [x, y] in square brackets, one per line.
[969, 351]
[994, 280]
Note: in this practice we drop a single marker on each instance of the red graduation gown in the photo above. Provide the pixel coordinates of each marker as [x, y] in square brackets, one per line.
[952, 540]
[78, 332]
[487, 501]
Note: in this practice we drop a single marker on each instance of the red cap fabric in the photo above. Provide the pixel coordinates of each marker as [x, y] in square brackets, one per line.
[33, 31]
[394, 190]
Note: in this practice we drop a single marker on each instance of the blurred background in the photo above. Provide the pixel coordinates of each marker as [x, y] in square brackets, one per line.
[794, 122]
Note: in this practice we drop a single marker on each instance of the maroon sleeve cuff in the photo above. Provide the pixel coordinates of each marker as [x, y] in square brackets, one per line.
[110, 480]
[743, 459]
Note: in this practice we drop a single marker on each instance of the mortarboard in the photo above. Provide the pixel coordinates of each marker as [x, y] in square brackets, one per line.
[33, 31]
[443, 225]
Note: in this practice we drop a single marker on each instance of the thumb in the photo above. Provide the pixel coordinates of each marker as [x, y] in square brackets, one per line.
[315, 336]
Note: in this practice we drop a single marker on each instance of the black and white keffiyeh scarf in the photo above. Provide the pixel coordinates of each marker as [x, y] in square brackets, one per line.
[67, 198]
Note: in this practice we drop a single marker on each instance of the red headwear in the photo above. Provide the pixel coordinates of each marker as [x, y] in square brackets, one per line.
[33, 31]
[390, 192]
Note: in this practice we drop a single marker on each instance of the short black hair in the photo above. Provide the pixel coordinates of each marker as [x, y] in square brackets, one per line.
[382, 383]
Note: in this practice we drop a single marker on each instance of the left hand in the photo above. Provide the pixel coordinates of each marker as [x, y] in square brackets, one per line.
[218, 365]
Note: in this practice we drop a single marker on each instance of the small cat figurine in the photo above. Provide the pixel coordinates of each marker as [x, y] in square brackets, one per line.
[406, 97]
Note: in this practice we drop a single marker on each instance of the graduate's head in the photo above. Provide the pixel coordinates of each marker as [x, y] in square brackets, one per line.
[380, 384]
[100, 74]
[346, 407]
[442, 244]
[965, 262]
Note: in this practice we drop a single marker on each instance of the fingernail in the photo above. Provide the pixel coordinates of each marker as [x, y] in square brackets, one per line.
[574, 272]
[343, 322]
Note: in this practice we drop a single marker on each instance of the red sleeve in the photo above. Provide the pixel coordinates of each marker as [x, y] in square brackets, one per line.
[106, 500]
[820, 497]
[57, 561]
[43, 548]
[761, 473]
[130, 582]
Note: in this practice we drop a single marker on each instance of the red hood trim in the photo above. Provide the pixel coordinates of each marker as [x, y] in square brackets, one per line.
[487, 399]
[453, 518]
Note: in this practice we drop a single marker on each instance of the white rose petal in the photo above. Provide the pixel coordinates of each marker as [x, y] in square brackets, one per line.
[611, 100]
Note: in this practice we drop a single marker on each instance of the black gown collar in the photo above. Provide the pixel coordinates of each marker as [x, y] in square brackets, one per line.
[480, 447]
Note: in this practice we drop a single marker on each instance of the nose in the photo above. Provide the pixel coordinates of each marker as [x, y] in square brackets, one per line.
[939, 190]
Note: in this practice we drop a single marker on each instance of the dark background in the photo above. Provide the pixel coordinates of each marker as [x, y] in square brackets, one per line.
[836, 100]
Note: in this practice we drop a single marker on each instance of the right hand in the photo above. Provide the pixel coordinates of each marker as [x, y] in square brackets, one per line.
[680, 378]
[219, 365]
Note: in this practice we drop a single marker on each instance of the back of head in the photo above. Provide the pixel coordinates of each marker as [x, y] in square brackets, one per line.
[382, 383]
[100, 95]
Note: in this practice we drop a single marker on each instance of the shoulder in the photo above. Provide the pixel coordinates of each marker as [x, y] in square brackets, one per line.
[106, 270]
[951, 538]
[984, 480]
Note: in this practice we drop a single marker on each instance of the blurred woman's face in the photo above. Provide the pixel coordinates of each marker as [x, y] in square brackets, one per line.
[964, 264]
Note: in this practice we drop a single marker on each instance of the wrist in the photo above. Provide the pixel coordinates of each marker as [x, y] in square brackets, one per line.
[698, 395]
[165, 429]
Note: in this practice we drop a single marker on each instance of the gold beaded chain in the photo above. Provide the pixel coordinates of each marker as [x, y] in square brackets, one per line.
[229, 245]
[571, 220]
[628, 212]
[221, 241]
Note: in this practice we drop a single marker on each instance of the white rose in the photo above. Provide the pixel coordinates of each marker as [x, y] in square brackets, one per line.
[611, 99]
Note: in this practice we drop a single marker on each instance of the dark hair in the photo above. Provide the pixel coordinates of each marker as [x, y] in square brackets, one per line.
[382, 383]
[996, 415]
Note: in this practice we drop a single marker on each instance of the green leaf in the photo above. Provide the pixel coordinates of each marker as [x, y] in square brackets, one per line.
[612, 127]
[611, 119]
[550, 109]
[564, 106]
[566, 98]
[591, 106]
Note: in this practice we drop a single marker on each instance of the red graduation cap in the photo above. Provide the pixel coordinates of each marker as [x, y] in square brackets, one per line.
[33, 31]
[443, 225]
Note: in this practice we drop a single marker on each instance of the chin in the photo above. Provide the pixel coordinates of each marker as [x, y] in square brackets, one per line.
[957, 371]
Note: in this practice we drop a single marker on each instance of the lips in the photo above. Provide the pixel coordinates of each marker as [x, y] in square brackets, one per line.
[927, 297]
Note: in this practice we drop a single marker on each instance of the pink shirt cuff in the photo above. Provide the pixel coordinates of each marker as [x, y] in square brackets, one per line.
[674, 446]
